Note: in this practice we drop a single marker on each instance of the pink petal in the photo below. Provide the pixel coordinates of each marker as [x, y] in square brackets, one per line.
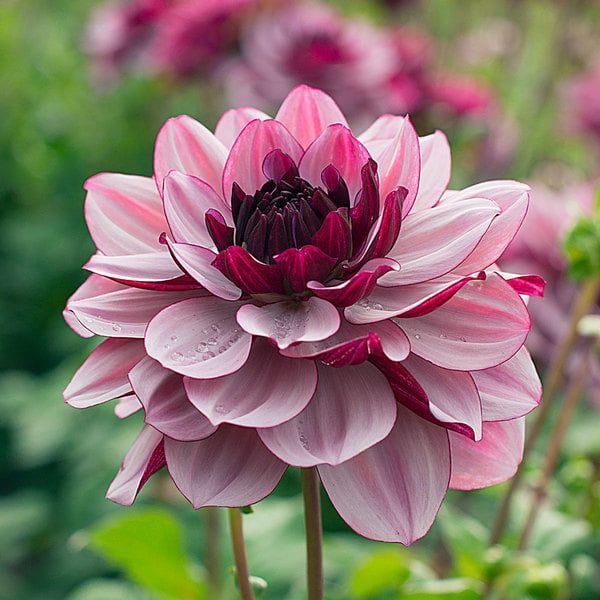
[480, 327]
[258, 138]
[526, 285]
[234, 120]
[307, 112]
[334, 237]
[166, 404]
[434, 241]
[513, 199]
[288, 322]
[352, 409]
[248, 273]
[361, 284]
[268, 390]
[492, 460]
[186, 146]
[436, 168]
[335, 146]
[124, 213]
[127, 406]
[187, 200]
[394, 144]
[199, 338]
[452, 395]
[153, 266]
[144, 458]
[123, 311]
[94, 285]
[103, 376]
[353, 344]
[407, 300]
[510, 390]
[197, 262]
[230, 468]
[392, 491]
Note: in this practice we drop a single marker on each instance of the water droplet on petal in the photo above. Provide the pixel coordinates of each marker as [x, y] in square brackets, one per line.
[417, 336]
[116, 327]
[443, 336]
[177, 356]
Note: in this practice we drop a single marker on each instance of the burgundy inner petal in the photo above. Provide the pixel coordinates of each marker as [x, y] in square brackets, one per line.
[289, 212]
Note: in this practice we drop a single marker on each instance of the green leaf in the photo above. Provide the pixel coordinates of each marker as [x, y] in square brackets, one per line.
[467, 540]
[384, 571]
[148, 546]
[582, 247]
[101, 589]
[451, 589]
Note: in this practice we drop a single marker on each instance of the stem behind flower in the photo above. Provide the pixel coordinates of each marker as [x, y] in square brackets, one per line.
[314, 533]
[239, 553]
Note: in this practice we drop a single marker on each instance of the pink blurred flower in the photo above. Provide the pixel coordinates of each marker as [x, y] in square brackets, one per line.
[117, 34]
[461, 96]
[265, 308]
[538, 248]
[584, 102]
[310, 44]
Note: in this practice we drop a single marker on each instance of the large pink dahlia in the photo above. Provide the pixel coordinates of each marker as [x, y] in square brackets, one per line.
[285, 293]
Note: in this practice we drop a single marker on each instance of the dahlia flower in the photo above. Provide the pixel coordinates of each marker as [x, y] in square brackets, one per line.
[283, 293]
[584, 106]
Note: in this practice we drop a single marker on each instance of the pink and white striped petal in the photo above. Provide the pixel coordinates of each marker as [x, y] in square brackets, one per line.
[452, 395]
[434, 241]
[268, 390]
[288, 322]
[510, 390]
[199, 338]
[232, 467]
[234, 120]
[124, 311]
[352, 409]
[354, 344]
[492, 460]
[148, 267]
[124, 213]
[187, 200]
[245, 161]
[103, 376]
[127, 406]
[513, 199]
[93, 286]
[436, 168]
[394, 145]
[197, 262]
[144, 458]
[407, 300]
[482, 326]
[307, 112]
[359, 285]
[338, 147]
[393, 491]
[166, 405]
[187, 146]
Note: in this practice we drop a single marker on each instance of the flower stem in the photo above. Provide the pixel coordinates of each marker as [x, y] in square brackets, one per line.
[212, 548]
[556, 375]
[314, 533]
[552, 452]
[239, 553]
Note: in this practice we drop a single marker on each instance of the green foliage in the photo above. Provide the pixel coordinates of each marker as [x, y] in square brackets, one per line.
[383, 572]
[582, 248]
[148, 546]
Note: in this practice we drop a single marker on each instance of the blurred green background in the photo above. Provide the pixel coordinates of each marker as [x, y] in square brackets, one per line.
[59, 537]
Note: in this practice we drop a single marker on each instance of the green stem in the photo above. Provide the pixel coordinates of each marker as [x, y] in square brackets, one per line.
[552, 453]
[552, 385]
[314, 533]
[239, 554]
[212, 548]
